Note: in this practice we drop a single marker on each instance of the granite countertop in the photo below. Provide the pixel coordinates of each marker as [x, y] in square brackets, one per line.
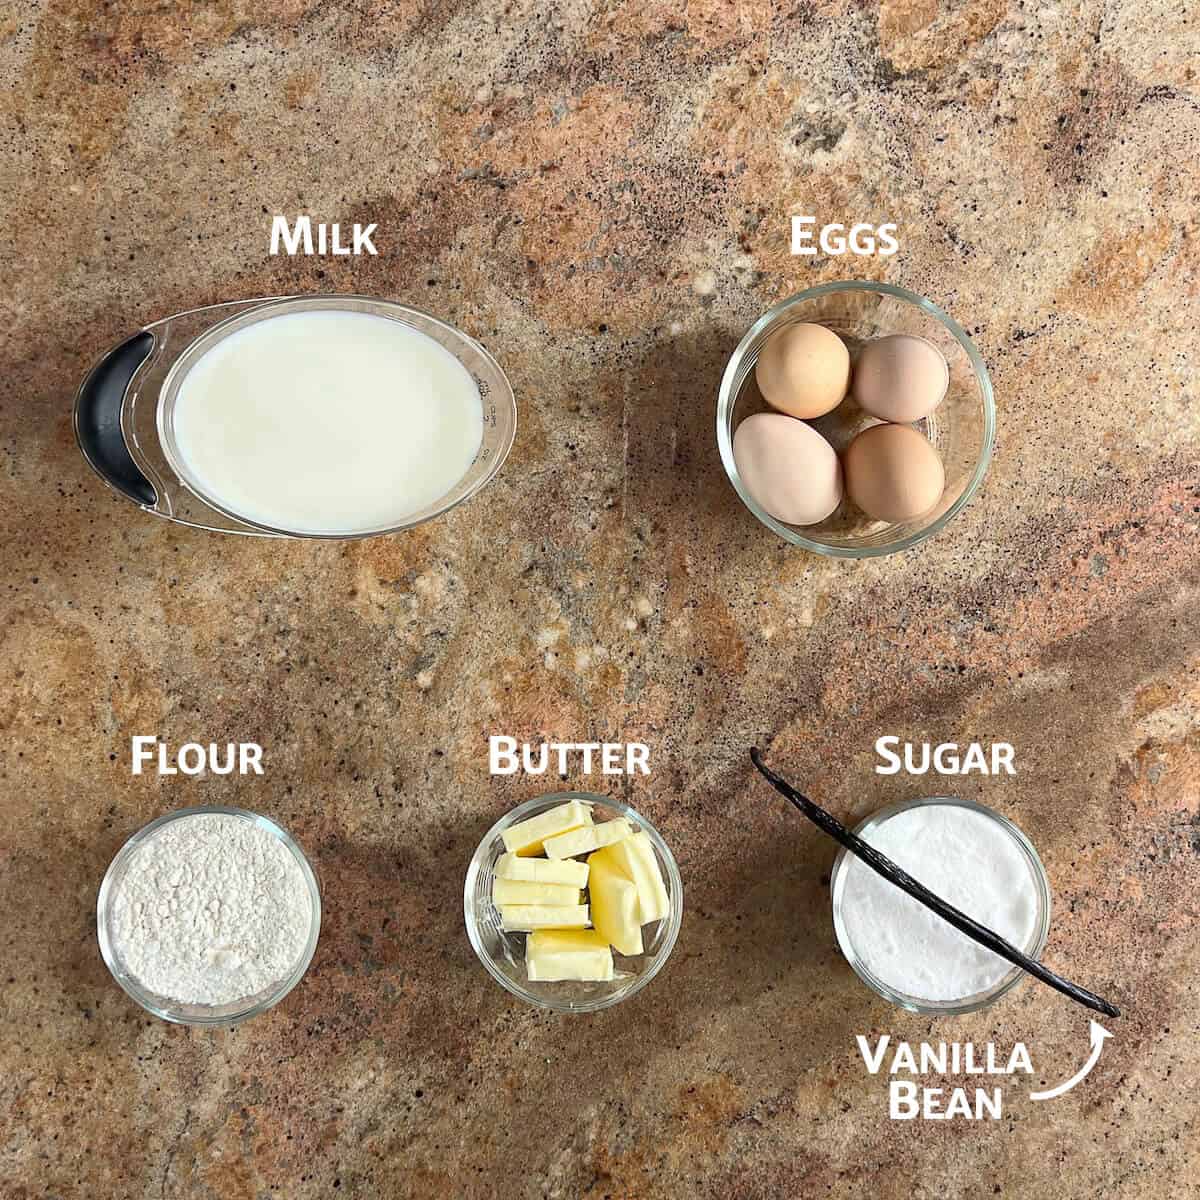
[601, 194]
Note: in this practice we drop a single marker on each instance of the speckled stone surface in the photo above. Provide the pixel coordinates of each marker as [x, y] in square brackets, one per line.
[601, 194]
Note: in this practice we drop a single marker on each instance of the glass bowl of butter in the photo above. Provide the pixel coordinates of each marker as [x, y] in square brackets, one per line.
[573, 902]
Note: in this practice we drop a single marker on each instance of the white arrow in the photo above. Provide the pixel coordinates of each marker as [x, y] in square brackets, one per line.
[1098, 1034]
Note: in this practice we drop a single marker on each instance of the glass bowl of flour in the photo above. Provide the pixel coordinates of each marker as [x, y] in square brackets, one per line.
[209, 915]
[970, 856]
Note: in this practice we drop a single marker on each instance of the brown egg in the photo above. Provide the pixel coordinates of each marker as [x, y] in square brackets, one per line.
[893, 473]
[803, 370]
[900, 377]
[788, 467]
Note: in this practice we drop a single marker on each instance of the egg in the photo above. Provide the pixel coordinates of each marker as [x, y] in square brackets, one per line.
[788, 468]
[900, 377]
[893, 473]
[803, 370]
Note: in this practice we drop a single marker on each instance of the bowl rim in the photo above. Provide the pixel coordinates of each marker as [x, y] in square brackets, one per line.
[322, 302]
[726, 401]
[145, 998]
[674, 883]
[978, 1000]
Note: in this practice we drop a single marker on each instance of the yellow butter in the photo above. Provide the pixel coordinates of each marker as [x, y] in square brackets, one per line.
[587, 839]
[518, 891]
[541, 870]
[517, 918]
[556, 954]
[614, 901]
[526, 837]
[634, 858]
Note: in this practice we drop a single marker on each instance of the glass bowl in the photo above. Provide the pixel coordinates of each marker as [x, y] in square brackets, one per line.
[962, 428]
[965, 1004]
[200, 1014]
[503, 954]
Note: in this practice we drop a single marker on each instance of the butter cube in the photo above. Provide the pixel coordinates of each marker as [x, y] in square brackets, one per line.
[541, 870]
[634, 858]
[526, 837]
[614, 905]
[517, 918]
[556, 954]
[517, 891]
[587, 839]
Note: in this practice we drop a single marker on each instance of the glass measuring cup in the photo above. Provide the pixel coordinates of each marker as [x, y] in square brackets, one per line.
[124, 410]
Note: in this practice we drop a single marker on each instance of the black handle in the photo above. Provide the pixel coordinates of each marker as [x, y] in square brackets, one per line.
[98, 418]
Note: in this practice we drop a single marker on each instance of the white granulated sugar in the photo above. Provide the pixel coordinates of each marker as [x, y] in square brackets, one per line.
[211, 910]
[967, 859]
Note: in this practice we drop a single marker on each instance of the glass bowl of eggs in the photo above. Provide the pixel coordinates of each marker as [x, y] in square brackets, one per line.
[856, 419]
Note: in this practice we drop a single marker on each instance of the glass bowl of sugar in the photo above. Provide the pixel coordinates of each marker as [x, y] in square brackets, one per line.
[209, 915]
[970, 856]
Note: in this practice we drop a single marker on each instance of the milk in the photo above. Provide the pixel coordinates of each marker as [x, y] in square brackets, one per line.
[327, 422]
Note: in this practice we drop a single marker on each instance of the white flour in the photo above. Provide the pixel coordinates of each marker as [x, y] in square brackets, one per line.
[212, 909]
